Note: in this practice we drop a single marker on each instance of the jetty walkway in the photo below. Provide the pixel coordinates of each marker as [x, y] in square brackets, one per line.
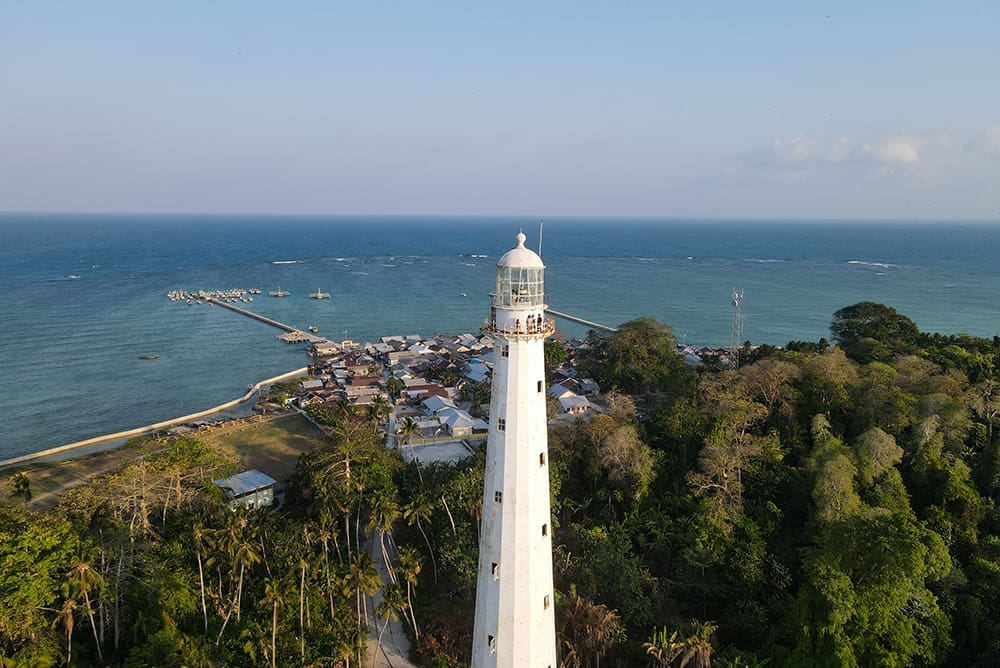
[299, 334]
[573, 318]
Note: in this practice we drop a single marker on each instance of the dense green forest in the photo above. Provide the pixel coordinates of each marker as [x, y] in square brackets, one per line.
[826, 504]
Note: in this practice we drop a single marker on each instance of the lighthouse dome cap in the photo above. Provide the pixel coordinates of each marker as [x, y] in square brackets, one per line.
[519, 256]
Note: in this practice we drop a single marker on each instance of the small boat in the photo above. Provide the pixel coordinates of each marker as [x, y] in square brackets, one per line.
[150, 356]
[73, 276]
[464, 295]
[319, 294]
[313, 328]
[279, 293]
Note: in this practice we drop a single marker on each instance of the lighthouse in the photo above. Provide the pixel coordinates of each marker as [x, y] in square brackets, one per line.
[515, 622]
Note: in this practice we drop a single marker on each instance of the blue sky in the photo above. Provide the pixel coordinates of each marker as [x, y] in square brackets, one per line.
[715, 109]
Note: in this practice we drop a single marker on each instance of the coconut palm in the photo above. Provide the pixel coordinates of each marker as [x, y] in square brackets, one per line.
[302, 567]
[406, 430]
[237, 542]
[389, 607]
[420, 508]
[409, 568]
[65, 618]
[274, 590]
[21, 486]
[199, 534]
[695, 649]
[83, 578]
[364, 580]
[384, 512]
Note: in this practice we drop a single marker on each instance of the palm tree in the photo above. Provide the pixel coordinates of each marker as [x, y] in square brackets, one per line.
[389, 607]
[698, 645]
[198, 532]
[409, 567]
[365, 581]
[378, 410]
[65, 616]
[237, 542]
[84, 578]
[694, 650]
[385, 511]
[421, 507]
[274, 593]
[664, 648]
[587, 630]
[21, 486]
[406, 430]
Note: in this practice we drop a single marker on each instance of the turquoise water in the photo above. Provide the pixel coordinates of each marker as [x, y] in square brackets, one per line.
[69, 348]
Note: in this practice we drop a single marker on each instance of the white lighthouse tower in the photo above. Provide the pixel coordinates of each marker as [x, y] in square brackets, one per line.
[515, 624]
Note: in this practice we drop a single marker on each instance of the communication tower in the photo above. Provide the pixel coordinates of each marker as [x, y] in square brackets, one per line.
[736, 331]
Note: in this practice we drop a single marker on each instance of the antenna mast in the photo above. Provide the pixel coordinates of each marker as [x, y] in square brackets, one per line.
[736, 331]
[540, 224]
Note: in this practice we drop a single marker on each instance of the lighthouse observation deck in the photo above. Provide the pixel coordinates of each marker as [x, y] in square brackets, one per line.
[530, 326]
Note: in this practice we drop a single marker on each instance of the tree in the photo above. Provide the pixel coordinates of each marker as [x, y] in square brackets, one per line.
[274, 590]
[384, 512]
[586, 631]
[409, 567]
[865, 599]
[84, 579]
[693, 648]
[555, 354]
[419, 509]
[388, 608]
[64, 617]
[394, 386]
[406, 430]
[21, 486]
[640, 357]
[868, 331]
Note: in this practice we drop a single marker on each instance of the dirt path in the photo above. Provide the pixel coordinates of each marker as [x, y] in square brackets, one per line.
[395, 649]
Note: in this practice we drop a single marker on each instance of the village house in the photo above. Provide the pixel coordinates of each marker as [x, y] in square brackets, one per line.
[250, 489]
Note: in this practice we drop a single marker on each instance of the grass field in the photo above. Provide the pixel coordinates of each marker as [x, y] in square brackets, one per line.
[270, 446]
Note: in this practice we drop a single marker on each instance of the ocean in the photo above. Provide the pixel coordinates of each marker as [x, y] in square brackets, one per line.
[70, 347]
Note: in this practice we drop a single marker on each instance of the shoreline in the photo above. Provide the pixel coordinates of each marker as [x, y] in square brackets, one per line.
[118, 439]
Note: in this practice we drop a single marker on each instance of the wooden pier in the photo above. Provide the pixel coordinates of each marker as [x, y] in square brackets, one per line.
[588, 323]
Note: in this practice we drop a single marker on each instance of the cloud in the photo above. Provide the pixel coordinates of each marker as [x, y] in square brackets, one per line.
[904, 149]
[808, 151]
[803, 150]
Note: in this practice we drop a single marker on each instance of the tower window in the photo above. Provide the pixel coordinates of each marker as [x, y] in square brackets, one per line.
[541, 459]
[501, 424]
[539, 386]
[492, 642]
[498, 496]
[546, 601]
[504, 350]
[545, 529]
[495, 571]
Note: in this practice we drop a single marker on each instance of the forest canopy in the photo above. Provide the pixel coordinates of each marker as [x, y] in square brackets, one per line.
[823, 506]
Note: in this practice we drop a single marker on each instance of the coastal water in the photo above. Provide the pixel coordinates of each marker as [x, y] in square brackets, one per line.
[70, 347]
